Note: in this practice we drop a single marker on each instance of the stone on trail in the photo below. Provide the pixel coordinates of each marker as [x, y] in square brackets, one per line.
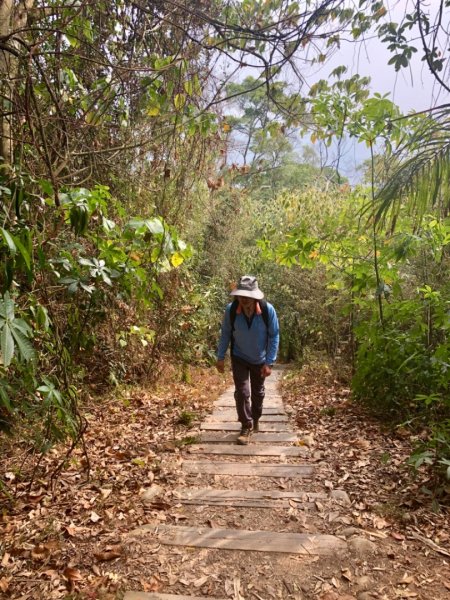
[152, 492]
[248, 469]
[341, 497]
[361, 546]
[235, 539]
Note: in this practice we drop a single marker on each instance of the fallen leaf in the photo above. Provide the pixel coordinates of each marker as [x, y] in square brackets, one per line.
[108, 554]
[105, 492]
[363, 444]
[347, 574]
[95, 517]
[153, 585]
[35, 499]
[4, 584]
[201, 581]
[72, 574]
[380, 523]
[43, 551]
[335, 583]
[5, 559]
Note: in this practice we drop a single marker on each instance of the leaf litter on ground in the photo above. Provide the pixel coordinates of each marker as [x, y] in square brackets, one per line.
[68, 538]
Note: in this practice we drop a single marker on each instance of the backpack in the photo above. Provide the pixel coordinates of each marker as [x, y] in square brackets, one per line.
[233, 309]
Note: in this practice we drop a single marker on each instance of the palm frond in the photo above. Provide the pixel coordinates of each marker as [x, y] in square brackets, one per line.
[421, 182]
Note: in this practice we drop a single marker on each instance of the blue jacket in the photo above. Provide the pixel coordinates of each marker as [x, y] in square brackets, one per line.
[256, 344]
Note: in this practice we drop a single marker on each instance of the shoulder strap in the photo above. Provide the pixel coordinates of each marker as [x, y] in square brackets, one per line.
[265, 312]
[233, 309]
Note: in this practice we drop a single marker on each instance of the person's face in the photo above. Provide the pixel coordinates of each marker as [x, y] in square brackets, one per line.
[247, 303]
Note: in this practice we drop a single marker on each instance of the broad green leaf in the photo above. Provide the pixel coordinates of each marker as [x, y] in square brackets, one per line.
[188, 87]
[153, 111]
[24, 253]
[7, 307]
[7, 345]
[155, 254]
[25, 348]
[21, 326]
[42, 318]
[179, 101]
[155, 225]
[5, 400]
[9, 241]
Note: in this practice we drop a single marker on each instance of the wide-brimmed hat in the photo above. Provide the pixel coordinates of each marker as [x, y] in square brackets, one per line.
[248, 287]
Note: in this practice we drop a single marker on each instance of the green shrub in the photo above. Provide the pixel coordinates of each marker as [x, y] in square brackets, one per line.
[399, 362]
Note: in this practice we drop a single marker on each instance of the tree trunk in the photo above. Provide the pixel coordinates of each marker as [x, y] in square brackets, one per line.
[13, 17]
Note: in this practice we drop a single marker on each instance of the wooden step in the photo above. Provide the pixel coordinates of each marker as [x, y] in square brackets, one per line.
[250, 450]
[260, 438]
[230, 415]
[274, 402]
[233, 539]
[233, 426]
[267, 412]
[248, 469]
[156, 596]
[247, 498]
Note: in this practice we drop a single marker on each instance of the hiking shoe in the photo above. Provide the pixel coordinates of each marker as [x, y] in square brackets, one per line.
[256, 426]
[244, 436]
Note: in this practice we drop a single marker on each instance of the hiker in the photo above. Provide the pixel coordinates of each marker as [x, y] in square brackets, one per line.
[250, 327]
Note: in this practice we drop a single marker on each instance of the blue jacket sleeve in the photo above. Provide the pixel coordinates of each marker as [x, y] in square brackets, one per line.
[225, 336]
[273, 336]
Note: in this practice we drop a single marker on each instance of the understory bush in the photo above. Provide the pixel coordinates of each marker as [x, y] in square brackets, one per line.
[397, 363]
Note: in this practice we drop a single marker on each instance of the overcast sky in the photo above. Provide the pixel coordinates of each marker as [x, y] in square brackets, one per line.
[412, 89]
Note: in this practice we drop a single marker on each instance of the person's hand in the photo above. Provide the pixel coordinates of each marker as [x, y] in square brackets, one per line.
[220, 366]
[266, 370]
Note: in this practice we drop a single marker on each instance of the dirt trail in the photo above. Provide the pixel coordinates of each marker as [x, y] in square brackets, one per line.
[275, 526]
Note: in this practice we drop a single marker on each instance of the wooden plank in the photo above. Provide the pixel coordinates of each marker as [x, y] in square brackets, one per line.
[230, 415]
[249, 503]
[238, 469]
[269, 395]
[267, 411]
[227, 426]
[268, 402]
[233, 539]
[156, 596]
[296, 495]
[261, 438]
[250, 450]
[247, 498]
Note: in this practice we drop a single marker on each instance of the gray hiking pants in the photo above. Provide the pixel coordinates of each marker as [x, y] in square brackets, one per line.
[249, 390]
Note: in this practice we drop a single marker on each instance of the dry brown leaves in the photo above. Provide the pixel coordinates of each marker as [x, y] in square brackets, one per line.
[357, 454]
[67, 539]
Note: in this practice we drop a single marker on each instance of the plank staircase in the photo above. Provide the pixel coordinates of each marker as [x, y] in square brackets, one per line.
[276, 442]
